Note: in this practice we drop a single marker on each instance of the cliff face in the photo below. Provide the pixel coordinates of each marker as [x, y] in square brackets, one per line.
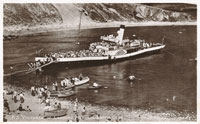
[30, 14]
[131, 12]
[190, 9]
[44, 14]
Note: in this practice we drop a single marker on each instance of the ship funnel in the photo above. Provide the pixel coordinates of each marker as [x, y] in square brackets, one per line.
[120, 34]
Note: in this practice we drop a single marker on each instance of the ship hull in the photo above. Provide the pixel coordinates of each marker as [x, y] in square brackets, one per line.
[93, 61]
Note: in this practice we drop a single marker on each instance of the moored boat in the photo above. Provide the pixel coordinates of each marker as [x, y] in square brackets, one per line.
[95, 86]
[131, 78]
[81, 81]
[111, 48]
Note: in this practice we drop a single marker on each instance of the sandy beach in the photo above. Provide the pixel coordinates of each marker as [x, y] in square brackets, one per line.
[93, 112]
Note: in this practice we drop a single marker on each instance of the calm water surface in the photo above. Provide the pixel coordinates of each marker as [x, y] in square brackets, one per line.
[164, 75]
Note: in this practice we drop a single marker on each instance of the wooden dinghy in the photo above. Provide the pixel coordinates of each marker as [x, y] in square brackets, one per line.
[55, 113]
[62, 94]
[83, 81]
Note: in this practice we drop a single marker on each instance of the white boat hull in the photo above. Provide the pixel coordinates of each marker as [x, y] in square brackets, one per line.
[83, 81]
[79, 59]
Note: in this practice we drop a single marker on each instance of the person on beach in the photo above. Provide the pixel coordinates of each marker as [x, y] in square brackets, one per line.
[109, 119]
[20, 108]
[62, 83]
[33, 91]
[83, 113]
[59, 106]
[47, 102]
[14, 97]
[42, 89]
[77, 119]
[5, 92]
[46, 94]
[6, 105]
[40, 96]
[43, 96]
[56, 86]
[36, 90]
[55, 106]
[4, 118]
[98, 117]
[75, 109]
[21, 97]
[28, 109]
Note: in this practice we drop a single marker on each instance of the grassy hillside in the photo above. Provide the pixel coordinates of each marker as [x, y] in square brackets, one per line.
[30, 14]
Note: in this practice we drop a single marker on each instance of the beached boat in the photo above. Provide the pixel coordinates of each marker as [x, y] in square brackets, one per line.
[82, 81]
[62, 94]
[55, 113]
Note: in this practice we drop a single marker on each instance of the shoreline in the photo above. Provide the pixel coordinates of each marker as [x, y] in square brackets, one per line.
[92, 111]
[25, 30]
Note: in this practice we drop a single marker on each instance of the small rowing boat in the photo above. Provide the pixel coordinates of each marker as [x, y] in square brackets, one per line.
[82, 81]
[62, 94]
[131, 78]
[95, 86]
[55, 113]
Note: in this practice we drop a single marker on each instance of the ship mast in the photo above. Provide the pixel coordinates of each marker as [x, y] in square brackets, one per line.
[79, 26]
[81, 13]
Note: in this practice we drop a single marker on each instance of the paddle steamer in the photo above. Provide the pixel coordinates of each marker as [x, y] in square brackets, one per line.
[108, 50]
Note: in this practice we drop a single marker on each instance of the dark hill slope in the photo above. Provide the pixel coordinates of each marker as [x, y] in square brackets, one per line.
[30, 14]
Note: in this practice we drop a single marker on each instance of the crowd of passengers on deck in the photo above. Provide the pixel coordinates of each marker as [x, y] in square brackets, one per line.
[74, 54]
[39, 63]
[91, 52]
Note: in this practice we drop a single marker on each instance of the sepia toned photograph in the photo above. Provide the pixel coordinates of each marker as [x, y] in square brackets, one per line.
[99, 62]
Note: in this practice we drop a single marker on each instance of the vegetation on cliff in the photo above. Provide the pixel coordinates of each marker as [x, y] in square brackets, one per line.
[30, 14]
